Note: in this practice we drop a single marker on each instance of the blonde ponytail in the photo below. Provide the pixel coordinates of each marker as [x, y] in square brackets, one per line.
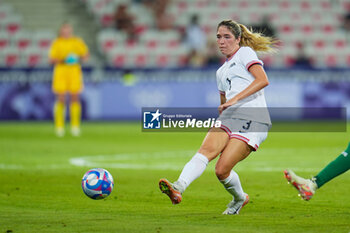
[254, 40]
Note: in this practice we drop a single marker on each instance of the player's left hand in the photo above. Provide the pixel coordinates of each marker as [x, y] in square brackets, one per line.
[222, 107]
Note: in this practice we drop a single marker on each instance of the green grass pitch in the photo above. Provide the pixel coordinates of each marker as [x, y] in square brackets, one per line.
[40, 182]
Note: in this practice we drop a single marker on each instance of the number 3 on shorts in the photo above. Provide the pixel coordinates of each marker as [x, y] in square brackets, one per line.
[246, 126]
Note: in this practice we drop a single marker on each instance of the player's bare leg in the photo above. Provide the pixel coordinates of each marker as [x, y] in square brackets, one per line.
[212, 145]
[235, 151]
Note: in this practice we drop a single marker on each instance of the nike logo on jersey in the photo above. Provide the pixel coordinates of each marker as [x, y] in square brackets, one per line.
[233, 64]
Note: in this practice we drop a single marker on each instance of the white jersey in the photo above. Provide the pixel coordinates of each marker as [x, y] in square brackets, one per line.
[233, 77]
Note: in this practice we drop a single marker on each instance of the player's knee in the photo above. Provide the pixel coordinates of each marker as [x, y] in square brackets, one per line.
[60, 98]
[75, 98]
[209, 151]
[221, 172]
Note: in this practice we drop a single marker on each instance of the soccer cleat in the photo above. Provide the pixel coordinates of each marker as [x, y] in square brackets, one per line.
[59, 132]
[168, 188]
[75, 131]
[234, 207]
[306, 187]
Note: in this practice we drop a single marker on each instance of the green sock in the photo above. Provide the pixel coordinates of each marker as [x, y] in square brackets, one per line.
[338, 166]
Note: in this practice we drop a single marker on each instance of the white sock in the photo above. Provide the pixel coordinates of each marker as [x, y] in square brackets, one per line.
[233, 185]
[191, 171]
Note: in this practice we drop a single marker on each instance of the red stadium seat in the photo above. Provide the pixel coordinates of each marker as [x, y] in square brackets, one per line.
[243, 4]
[4, 40]
[224, 4]
[182, 5]
[286, 28]
[346, 5]
[162, 60]
[214, 16]
[296, 16]
[23, 39]
[331, 60]
[43, 39]
[23, 43]
[2, 15]
[139, 29]
[12, 23]
[44, 43]
[152, 43]
[130, 43]
[33, 60]
[268, 60]
[172, 43]
[319, 44]
[289, 60]
[107, 20]
[13, 27]
[348, 59]
[284, 5]
[108, 44]
[207, 29]
[202, 4]
[328, 28]
[234, 16]
[109, 39]
[11, 57]
[263, 4]
[119, 60]
[326, 5]
[181, 60]
[305, 5]
[140, 60]
[3, 43]
[307, 29]
[340, 43]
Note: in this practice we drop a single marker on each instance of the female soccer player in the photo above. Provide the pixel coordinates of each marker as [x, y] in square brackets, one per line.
[240, 80]
[66, 53]
[308, 187]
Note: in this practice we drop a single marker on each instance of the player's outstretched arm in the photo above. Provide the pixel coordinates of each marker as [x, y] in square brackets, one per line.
[259, 83]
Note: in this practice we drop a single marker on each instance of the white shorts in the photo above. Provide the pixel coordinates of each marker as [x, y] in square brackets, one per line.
[250, 132]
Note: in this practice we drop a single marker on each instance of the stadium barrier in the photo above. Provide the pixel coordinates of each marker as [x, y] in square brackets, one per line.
[114, 94]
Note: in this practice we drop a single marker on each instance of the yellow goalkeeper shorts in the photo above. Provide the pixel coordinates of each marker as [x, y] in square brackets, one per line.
[67, 78]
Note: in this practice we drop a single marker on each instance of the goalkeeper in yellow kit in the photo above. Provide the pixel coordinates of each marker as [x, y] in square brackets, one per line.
[66, 53]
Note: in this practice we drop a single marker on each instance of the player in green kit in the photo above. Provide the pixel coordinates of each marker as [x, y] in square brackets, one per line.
[308, 187]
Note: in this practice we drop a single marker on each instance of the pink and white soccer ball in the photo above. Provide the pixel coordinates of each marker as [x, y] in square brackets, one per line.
[97, 183]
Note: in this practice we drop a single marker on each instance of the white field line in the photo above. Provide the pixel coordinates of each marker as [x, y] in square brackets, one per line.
[167, 161]
[119, 161]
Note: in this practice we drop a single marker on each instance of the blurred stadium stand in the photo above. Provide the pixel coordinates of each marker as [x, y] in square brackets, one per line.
[25, 34]
[28, 27]
[316, 24]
